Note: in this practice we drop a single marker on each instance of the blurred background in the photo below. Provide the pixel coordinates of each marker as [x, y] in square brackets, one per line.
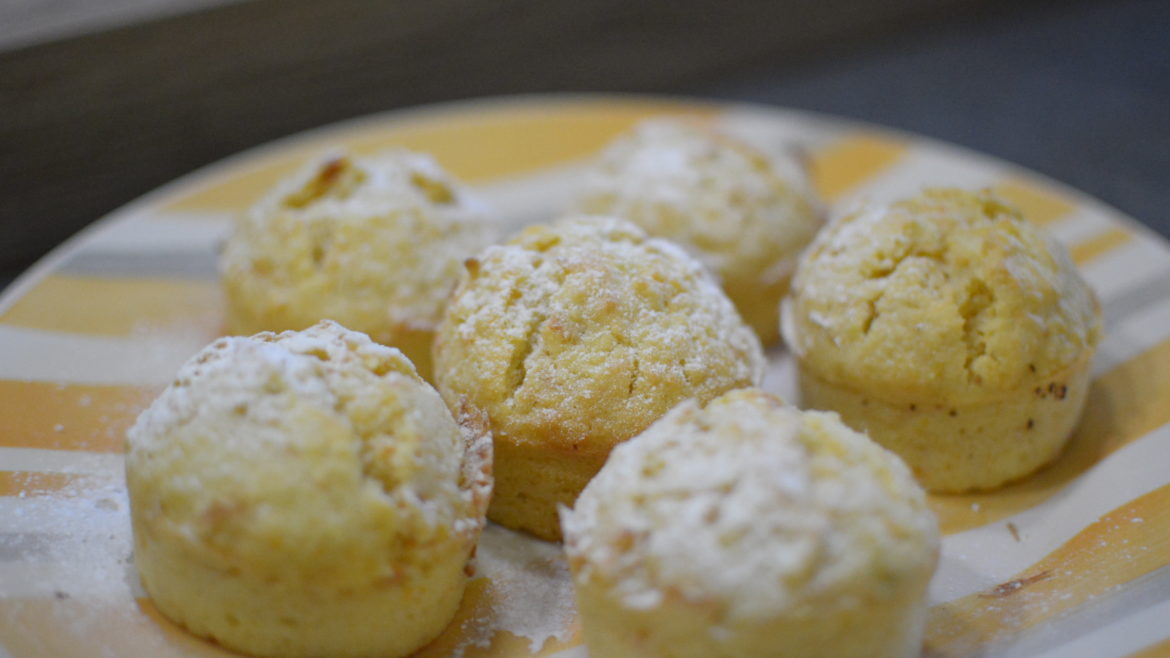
[101, 102]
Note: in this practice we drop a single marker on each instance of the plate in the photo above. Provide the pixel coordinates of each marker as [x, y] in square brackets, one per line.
[1069, 562]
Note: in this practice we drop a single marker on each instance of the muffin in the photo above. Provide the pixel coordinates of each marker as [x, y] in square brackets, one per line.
[306, 494]
[374, 243]
[744, 215]
[574, 337]
[950, 330]
[751, 528]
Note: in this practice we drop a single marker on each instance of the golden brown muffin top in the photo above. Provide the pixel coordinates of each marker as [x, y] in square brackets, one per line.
[580, 334]
[304, 455]
[754, 508]
[950, 293]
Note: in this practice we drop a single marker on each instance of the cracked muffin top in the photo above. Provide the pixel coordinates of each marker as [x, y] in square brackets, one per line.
[950, 293]
[582, 333]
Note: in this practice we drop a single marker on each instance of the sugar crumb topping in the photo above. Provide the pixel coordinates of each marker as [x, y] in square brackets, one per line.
[729, 204]
[752, 506]
[305, 438]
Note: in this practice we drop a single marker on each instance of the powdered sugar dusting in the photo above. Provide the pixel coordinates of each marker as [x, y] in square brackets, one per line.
[67, 563]
[246, 392]
[597, 297]
[751, 503]
[729, 205]
[725, 201]
[528, 586]
[76, 541]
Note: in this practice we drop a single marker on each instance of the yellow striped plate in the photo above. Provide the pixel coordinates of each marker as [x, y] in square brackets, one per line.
[1073, 561]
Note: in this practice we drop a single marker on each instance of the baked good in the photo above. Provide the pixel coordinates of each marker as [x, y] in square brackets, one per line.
[743, 214]
[306, 494]
[751, 528]
[574, 337]
[375, 243]
[950, 330]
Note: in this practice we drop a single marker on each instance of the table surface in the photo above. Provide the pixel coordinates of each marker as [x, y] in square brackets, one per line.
[1078, 91]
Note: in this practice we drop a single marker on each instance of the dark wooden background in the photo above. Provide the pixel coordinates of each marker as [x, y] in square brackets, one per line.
[93, 118]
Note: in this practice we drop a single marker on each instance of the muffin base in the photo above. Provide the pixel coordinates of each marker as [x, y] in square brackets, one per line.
[303, 615]
[415, 344]
[679, 628]
[954, 448]
[532, 481]
[759, 305]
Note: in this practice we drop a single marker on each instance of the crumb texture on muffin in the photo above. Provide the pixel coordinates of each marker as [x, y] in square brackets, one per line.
[744, 214]
[769, 529]
[949, 291]
[576, 336]
[289, 492]
[375, 243]
[951, 331]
